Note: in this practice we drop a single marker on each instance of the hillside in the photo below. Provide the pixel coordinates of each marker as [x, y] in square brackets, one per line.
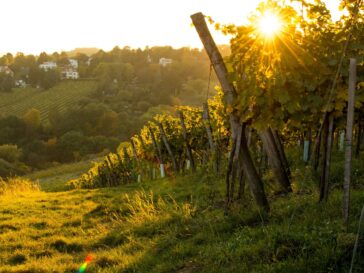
[172, 225]
[63, 95]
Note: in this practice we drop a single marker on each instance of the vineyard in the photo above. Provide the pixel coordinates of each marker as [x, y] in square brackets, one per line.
[61, 97]
[266, 176]
[295, 92]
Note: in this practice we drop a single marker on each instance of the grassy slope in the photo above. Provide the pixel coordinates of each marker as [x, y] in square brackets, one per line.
[61, 96]
[53, 179]
[172, 226]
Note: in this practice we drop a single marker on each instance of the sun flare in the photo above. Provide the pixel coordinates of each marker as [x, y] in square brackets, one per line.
[269, 24]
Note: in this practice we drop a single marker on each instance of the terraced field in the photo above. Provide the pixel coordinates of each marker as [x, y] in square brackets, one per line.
[61, 96]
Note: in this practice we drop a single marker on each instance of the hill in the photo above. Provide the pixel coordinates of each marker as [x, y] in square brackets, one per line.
[61, 96]
[83, 50]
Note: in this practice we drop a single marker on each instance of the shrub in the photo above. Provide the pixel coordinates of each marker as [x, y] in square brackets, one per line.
[10, 153]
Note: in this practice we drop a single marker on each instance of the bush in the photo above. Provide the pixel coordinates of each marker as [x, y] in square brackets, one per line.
[10, 153]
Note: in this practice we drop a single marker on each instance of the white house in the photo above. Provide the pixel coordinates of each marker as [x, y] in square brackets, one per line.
[73, 63]
[88, 62]
[164, 62]
[48, 66]
[20, 83]
[69, 73]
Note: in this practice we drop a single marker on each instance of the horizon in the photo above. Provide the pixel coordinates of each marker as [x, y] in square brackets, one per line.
[104, 25]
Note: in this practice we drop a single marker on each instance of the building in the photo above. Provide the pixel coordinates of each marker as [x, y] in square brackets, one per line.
[73, 63]
[20, 83]
[48, 66]
[69, 73]
[5, 69]
[164, 62]
[88, 62]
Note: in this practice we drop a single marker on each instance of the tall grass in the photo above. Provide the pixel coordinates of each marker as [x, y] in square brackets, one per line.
[15, 186]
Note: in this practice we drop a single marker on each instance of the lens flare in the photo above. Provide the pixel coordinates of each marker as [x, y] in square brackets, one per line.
[269, 24]
[84, 265]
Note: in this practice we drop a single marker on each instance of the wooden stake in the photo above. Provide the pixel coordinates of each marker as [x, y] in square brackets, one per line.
[359, 136]
[349, 134]
[325, 174]
[168, 147]
[274, 159]
[157, 148]
[282, 154]
[188, 146]
[255, 183]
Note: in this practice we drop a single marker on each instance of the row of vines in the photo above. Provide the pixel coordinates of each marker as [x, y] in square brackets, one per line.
[274, 91]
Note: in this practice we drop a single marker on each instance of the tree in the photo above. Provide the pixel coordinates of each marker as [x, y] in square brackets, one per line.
[32, 121]
[6, 82]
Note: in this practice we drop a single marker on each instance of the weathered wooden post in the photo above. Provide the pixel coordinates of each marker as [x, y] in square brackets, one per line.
[326, 161]
[135, 153]
[207, 124]
[342, 141]
[255, 183]
[168, 147]
[274, 159]
[158, 153]
[349, 134]
[282, 154]
[359, 136]
[307, 146]
[191, 161]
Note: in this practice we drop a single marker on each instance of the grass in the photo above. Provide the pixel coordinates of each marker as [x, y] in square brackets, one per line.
[60, 96]
[16, 186]
[174, 225]
[53, 179]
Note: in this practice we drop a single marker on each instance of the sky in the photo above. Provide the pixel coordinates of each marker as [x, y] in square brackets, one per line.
[33, 26]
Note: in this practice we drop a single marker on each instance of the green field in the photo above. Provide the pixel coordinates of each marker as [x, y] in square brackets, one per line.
[61, 96]
[172, 225]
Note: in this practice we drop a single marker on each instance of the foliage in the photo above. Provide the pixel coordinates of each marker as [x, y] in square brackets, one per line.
[10, 153]
[285, 80]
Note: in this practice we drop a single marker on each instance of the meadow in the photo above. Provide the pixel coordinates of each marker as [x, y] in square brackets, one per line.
[173, 225]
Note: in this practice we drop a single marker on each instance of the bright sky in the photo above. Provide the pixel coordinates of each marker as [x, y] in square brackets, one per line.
[32, 26]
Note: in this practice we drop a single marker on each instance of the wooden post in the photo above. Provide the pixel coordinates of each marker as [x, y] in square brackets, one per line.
[141, 141]
[168, 147]
[358, 136]
[349, 134]
[206, 118]
[317, 150]
[157, 148]
[282, 154]
[307, 146]
[326, 161]
[134, 150]
[274, 159]
[229, 171]
[158, 153]
[138, 167]
[342, 141]
[255, 183]
[188, 146]
[212, 144]
[235, 170]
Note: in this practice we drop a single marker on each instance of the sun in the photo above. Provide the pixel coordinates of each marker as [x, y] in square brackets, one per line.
[269, 24]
